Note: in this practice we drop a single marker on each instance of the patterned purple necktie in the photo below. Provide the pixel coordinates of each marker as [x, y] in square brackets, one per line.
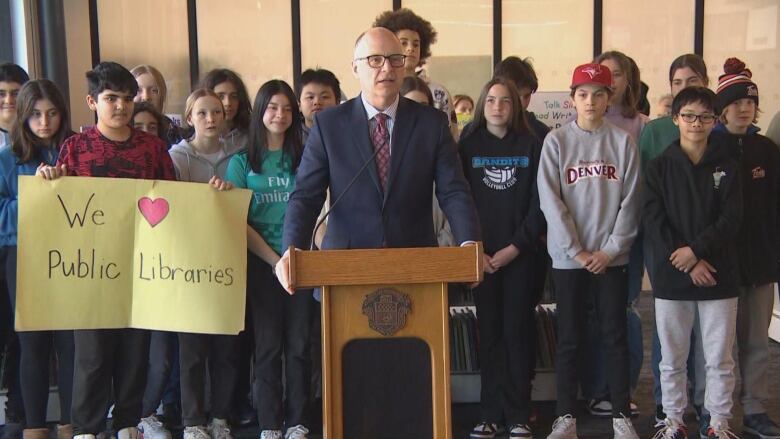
[381, 140]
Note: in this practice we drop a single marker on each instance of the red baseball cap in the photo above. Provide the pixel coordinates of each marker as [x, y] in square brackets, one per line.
[594, 74]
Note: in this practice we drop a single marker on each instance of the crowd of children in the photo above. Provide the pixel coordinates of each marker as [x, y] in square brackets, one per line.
[693, 196]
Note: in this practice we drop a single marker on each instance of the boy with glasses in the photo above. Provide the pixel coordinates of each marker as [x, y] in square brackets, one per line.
[692, 214]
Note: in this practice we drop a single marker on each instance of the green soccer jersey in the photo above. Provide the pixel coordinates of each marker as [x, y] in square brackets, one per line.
[271, 188]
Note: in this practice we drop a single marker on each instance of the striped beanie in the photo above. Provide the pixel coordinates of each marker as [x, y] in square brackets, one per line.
[735, 83]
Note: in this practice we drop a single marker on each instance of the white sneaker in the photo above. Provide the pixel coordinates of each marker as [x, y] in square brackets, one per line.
[127, 433]
[565, 427]
[219, 429]
[196, 432]
[671, 429]
[296, 432]
[271, 434]
[152, 428]
[623, 428]
[84, 436]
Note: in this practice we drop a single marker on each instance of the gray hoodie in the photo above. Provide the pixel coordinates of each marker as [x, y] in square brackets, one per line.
[190, 166]
[589, 193]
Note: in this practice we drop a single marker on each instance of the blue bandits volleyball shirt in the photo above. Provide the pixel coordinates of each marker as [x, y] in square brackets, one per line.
[271, 189]
[502, 176]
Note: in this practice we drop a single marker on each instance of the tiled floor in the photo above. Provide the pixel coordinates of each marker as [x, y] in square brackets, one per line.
[465, 416]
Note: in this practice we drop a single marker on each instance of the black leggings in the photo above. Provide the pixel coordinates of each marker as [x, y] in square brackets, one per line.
[36, 349]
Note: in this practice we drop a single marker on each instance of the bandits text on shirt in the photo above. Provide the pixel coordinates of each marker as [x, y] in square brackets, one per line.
[499, 172]
[591, 169]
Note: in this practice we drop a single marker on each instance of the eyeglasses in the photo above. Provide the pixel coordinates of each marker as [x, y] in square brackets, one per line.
[377, 61]
[691, 118]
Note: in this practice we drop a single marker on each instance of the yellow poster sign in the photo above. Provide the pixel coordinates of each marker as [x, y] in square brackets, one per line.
[122, 253]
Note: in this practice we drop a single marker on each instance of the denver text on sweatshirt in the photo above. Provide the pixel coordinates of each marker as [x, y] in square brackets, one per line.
[589, 192]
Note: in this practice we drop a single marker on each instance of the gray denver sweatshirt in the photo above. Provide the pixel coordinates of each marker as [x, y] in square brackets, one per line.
[589, 193]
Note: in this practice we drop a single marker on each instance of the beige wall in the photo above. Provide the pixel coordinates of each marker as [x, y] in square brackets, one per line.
[748, 30]
[79, 60]
[556, 35]
[254, 38]
[653, 34]
[154, 32]
[462, 59]
[338, 23]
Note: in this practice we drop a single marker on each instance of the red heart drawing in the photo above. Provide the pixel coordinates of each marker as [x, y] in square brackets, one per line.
[153, 210]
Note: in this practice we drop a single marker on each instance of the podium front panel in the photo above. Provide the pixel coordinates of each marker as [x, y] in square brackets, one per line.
[409, 325]
[382, 373]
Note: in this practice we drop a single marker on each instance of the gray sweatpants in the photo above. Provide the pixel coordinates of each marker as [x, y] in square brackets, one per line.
[753, 317]
[717, 320]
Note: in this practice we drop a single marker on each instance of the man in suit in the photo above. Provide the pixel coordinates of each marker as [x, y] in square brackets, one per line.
[389, 204]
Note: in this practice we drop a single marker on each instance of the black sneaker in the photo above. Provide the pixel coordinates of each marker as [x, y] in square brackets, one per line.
[659, 414]
[760, 425]
[704, 425]
[698, 410]
[484, 430]
[518, 431]
[601, 408]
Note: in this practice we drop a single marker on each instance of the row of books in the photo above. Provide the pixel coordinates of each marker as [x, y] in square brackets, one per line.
[464, 338]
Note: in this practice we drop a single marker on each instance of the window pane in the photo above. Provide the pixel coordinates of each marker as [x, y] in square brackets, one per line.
[130, 36]
[627, 24]
[556, 34]
[338, 23]
[251, 37]
[462, 59]
[746, 30]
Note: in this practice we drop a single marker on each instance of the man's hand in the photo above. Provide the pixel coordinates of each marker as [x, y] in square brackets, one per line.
[504, 256]
[683, 259]
[51, 172]
[282, 270]
[220, 184]
[598, 262]
[701, 275]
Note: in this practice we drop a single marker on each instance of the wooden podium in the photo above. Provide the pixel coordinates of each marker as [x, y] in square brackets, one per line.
[385, 330]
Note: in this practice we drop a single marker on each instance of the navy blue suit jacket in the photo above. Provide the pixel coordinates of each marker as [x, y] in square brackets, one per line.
[422, 152]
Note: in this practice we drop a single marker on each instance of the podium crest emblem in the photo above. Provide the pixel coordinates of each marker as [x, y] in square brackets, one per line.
[386, 310]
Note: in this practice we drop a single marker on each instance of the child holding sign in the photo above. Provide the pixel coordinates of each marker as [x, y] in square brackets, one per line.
[281, 322]
[40, 128]
[204, 159]
[107, 358]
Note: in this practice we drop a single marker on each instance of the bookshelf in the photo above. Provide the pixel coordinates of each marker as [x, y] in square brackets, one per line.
[465, 381]
[52, 409]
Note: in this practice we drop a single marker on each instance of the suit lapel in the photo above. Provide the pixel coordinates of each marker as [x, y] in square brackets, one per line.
[359, 129]
[402, 131]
